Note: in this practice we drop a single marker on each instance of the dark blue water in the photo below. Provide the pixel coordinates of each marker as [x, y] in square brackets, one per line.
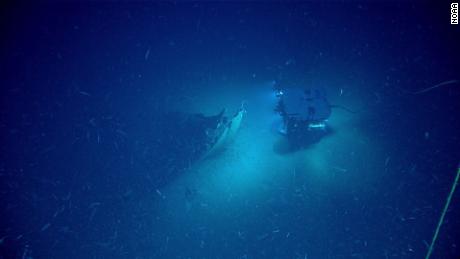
[96, 162]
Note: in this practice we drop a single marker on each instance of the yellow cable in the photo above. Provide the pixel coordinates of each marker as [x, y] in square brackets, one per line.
[444, 211]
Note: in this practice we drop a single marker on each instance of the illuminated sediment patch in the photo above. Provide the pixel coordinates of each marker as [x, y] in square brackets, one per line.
[250, 171]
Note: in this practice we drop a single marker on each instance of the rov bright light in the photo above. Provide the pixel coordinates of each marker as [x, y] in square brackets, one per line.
[318, 125]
